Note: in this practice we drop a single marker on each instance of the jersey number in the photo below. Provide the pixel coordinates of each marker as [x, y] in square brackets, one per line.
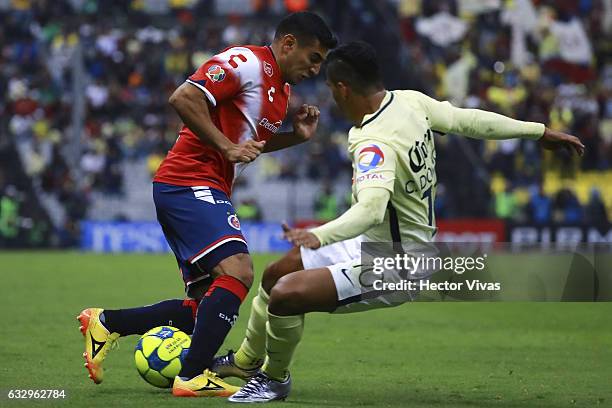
[427, 194]
[233, 58]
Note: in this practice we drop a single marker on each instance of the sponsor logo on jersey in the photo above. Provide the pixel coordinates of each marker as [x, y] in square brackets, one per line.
[215, 73]
[272, 127]
[268, 68]
[371, 176]
[233, 221]
[370, 157]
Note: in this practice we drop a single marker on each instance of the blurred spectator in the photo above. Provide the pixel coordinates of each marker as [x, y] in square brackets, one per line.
[595, 210]
[9, 217]
[249, 210]
[505, 204]
[442, 28]
[539, 207]
[567, 208]
[326, 204]
[293, 6]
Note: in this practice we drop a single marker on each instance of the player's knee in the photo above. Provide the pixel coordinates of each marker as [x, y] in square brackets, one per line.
[239, 266]
[286, 298]
[245, 271]
[291, 262]
[271, 275]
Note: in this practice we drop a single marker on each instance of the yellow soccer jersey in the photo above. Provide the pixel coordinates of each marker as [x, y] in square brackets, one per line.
[394, 149]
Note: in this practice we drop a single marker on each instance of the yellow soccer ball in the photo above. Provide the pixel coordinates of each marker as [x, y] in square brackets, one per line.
[160, 353]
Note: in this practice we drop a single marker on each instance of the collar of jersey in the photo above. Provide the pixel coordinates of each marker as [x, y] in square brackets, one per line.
[273, 58]
[383, 105]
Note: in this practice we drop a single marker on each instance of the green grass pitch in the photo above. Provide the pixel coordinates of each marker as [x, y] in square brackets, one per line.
[424, 354]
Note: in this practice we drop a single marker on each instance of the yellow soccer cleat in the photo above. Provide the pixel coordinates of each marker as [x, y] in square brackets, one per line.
[98, 342]
[207, 384]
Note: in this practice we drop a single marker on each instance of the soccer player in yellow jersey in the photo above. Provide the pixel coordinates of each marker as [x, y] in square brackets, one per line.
[394, 187]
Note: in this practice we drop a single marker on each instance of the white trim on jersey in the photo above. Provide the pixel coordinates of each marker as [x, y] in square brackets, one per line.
[210, 96]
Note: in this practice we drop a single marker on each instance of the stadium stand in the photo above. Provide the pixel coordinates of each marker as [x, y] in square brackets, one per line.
[85, 119]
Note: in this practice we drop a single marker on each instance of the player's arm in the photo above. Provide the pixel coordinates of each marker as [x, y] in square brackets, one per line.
[482, 124]
[192, 107]
[373, 184]
[304, 127]
[368, 212]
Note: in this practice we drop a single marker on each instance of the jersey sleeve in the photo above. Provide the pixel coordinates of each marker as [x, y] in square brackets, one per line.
[476, 123]
[374, 165]
[227, 74]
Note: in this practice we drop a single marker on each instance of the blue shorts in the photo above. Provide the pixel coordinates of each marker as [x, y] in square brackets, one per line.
[201, 226]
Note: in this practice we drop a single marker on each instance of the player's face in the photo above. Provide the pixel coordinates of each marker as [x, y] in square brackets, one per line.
[303, 61]
[340, 93]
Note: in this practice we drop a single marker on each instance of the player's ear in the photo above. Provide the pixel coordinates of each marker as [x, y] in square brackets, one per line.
[343, 89]
[289, 43]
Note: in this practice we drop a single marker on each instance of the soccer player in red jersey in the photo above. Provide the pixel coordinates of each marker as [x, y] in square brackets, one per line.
[232, 108]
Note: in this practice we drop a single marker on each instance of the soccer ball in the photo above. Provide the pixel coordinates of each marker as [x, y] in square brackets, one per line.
[160, 353]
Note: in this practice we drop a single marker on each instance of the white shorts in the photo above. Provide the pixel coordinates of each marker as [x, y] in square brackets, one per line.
[359, 289]
[331, 254]
[354, 286]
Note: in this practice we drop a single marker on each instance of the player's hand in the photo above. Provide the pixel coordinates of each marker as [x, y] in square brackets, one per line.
[301, 237]
[553, 140]
[244, 152]
[305, 122]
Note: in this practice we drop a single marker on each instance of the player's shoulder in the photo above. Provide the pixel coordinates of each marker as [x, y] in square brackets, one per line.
[411, 107]
[409, 97]
[401, 111]
[242, 58]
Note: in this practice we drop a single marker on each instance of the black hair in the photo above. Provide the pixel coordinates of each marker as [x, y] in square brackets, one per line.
[306, 27]
[356, 65]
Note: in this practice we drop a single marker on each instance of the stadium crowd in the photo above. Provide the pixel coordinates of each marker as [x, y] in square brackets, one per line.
[534, 60]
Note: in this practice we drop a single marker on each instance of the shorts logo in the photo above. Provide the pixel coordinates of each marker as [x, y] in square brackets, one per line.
[369, 158]
[215, 73]
[268, 69]
[232, 220]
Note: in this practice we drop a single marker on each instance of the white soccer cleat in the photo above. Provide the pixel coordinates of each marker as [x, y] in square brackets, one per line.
[262, 388]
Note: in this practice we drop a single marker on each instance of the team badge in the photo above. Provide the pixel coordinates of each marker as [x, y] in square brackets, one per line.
[215, 73]
[369, 158]
[233, 221]
[268, 68]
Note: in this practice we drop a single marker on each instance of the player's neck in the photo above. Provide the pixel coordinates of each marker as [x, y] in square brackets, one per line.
[275, 48]
[368, 105]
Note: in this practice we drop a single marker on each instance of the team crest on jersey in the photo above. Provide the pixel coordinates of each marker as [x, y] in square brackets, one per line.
[233, 221]
[268, 68]
[215, 73]
[370, 157]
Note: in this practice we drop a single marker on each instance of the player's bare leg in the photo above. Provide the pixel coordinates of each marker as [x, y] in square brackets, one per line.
[293, 295]
[290, 262]
[216, 314]
[250, 356]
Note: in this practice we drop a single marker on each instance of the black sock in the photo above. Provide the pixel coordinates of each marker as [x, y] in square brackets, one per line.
[216, 315]
[139, 320]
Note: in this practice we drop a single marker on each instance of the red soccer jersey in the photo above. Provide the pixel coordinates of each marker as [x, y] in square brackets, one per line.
[247, 98]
